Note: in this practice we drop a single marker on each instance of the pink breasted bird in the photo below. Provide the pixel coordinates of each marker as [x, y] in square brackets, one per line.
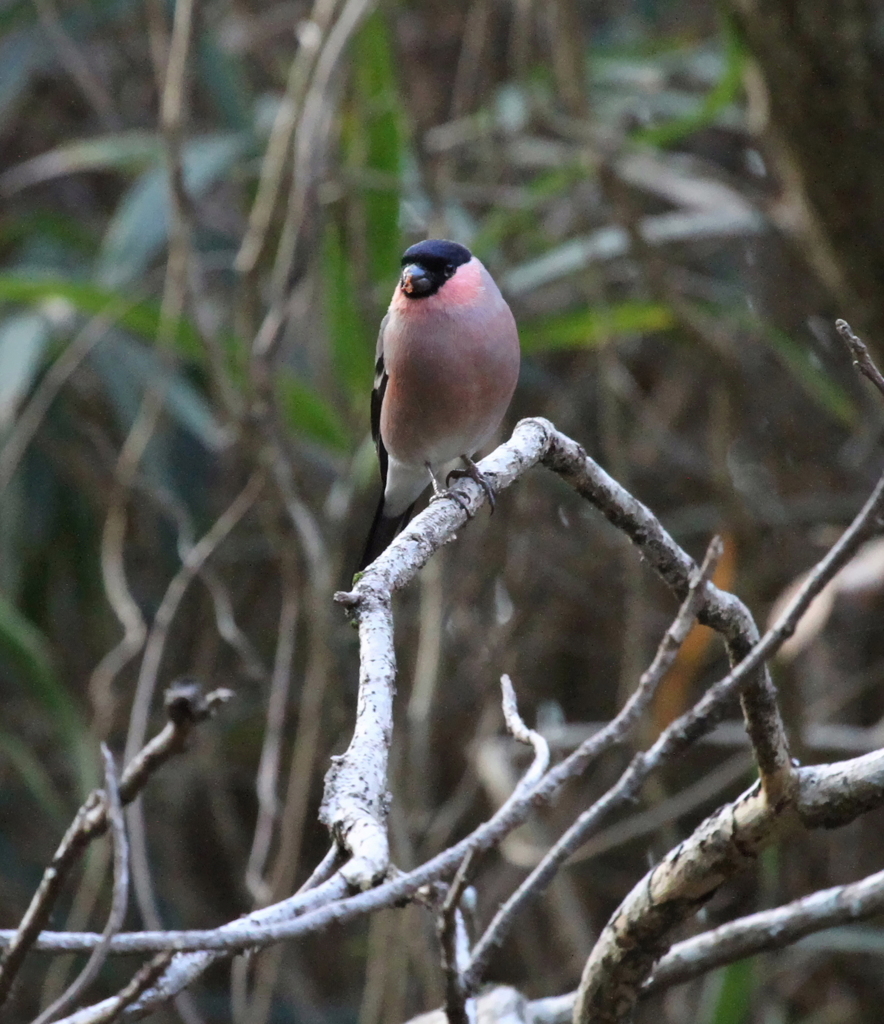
[447, 366]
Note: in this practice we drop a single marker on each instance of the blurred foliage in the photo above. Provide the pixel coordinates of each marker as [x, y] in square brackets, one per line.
[750, 424]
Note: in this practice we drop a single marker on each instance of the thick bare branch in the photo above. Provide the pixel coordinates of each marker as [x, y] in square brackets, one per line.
[769, 929]
[726, 843]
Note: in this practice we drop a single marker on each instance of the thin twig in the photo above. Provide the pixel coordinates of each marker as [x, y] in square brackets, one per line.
[150, 667]
[185, 707]
[855, 787]
[61, 370]
[310, 37]
[532, 441]
[267, 778]
[324, 869]
[860, 353]
[769, 929]
[119, 900]
[77, 65]
[726, 843]
[540, 877]
[110, 1010]
[453, 939]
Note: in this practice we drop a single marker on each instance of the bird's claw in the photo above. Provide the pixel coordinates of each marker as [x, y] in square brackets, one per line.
[473, 472]
[455, 496]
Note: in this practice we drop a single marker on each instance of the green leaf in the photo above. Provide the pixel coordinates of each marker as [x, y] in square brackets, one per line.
[378, 123]
[307, 414]
[139, 228]
[26, 651]
[36, 779]
[353, 354]
[129, 368]
[586, 328]
[732, 988]
[716, 100]
[817, 384]
[23, 342]
[225, 81]
[125, 151]
[140, 317]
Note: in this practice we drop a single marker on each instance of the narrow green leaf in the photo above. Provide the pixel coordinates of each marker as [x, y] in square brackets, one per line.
[817, 384]
[353, 353]
[139, 228]
[307, 414]
[26, 651]
[378, 120]
[125, 151]
[141, 318]
[716, 100]
[23, 341]
[733, 1004]
[586, 328]
[36, 779]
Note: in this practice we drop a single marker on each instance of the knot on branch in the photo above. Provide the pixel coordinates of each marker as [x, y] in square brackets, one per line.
[186, 704]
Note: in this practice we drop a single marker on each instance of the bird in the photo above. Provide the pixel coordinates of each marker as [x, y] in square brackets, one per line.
[447, 366]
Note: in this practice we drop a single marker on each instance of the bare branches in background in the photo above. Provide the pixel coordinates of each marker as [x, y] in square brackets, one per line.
[356, 786]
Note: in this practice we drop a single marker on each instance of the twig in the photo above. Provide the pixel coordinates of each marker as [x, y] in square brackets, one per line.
[225, 620]
[724, 612]
[354, 805]
[324, 869]
[454, 941]
[679, 804]
[119, 900]
[111, 1009]
[854, 787]
[61, 370]
[113, 568]
[540, 877]
[310, 38]
[77, 66]
[746, 936]
[769, 929]
[310, 147]
[533, 440]
[149, 671]
[267, 777]
[185, 707]
[725, 843]
[860, 353]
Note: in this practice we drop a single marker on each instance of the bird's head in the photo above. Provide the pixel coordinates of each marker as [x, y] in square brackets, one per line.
[428, 265]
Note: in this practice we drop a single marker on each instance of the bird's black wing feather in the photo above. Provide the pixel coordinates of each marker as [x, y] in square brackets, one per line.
[377, 401]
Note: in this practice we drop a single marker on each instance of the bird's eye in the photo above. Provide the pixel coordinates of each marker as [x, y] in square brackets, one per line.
[449, 269]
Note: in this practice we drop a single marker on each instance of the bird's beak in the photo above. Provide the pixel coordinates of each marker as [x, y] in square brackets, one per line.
[415, 280]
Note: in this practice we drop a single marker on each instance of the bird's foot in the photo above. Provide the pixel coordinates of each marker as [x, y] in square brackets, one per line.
[456, 497]
[473, 472]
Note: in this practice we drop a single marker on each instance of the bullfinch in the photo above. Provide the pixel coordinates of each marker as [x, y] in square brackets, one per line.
[447, 366]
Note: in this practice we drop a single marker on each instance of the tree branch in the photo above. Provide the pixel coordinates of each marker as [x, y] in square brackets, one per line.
[724, 844]
[185, 707]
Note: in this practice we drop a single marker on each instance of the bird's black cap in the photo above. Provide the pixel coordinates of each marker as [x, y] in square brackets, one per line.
[436, 253]
[431, 263]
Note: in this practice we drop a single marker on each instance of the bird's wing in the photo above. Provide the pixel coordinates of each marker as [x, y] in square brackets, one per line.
[377, 400]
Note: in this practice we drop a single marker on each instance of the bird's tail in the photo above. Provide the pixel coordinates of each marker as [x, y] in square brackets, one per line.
[383, 530]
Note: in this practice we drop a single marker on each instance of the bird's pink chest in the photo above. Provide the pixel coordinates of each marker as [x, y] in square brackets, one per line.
[452, 369]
